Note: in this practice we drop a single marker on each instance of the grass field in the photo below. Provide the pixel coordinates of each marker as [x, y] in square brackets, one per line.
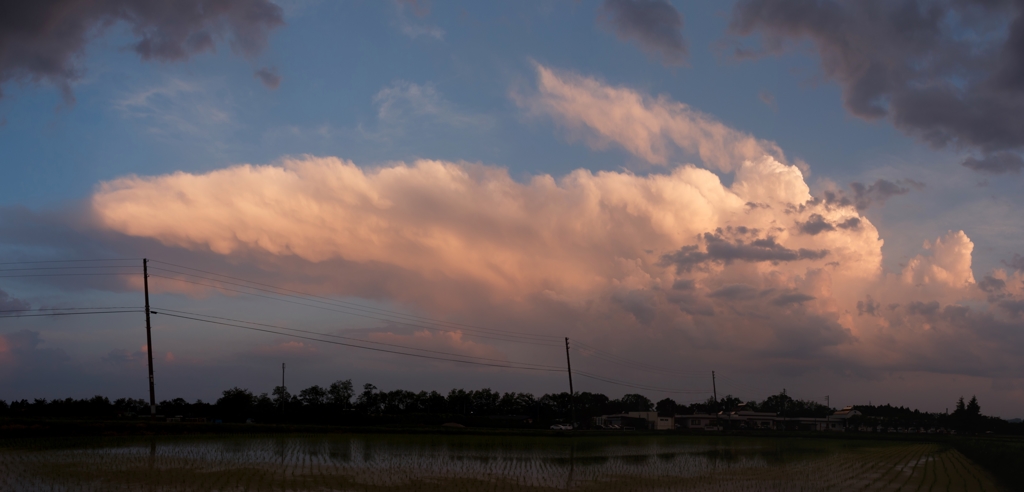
[483, 463]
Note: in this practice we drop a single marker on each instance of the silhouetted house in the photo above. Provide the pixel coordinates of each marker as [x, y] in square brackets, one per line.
[704, 421]
[624, 421]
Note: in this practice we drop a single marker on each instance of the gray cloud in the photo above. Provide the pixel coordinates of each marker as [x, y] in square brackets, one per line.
[997, 163]
[1014, 307]
[848, 224]
[1017, 263]
[768, 98]
[654, 24]
[42, 41]
[269, 77]
[876, 193]
[720, 249]
[736, 292]
[815, 225]
[869, 307]
[9, 304]
[991, 284]
[792, 298]
[942, 70]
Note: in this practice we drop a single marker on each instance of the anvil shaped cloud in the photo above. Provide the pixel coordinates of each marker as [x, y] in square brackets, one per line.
[674, 256]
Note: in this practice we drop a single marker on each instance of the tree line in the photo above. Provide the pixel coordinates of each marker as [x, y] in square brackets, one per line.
[341, 403]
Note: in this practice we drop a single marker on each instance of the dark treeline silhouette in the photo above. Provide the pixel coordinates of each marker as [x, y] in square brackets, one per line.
[966, 417]
[342, 404]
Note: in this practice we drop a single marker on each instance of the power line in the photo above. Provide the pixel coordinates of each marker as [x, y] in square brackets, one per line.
[65, 268]
[68, 261]
[69, 275]
[616, 359]
[66, 314]
[361, 347]
[349, 338]
[69, 309]
[528, 341]
[347, 305]
[355, 305]
[638, 386]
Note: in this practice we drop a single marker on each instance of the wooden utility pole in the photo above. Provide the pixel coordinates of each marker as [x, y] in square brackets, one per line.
[149, 339]
[572, 396]
[714, 388]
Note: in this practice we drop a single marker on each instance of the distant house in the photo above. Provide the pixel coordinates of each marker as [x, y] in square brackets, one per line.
[698, 421]
[739, 418]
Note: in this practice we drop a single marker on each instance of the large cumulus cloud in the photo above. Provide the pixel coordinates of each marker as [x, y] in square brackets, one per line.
[667, 266]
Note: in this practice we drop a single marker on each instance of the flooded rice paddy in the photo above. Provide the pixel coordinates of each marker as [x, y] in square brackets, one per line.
[484, 463]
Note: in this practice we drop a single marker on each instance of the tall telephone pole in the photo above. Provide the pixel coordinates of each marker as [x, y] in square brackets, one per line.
[572, 397]
[149, 339]
[714, 388]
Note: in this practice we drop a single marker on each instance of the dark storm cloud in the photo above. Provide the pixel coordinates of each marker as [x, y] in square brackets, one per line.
[950, 72]
[1013, 307]
[816, 224]
[851, 223]
[869, 307]
[42, 40]
[864, 196]
[792, 298]
[269, 77]
[654, 24]
[991, 284]
[736, 292]
[10, 304]
[1017, 263]
[639, 303]
[997, 163]
[722, 250]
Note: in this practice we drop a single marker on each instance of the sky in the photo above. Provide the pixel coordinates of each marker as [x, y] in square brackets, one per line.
[820, 197]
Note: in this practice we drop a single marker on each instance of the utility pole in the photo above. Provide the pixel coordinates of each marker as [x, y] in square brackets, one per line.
[827, 404]
[282, 375]
[713, 387]
[149, 339]
[572, 397]
[714, 390]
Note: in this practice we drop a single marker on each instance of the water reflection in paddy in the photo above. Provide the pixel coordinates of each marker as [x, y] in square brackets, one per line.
[437, 462]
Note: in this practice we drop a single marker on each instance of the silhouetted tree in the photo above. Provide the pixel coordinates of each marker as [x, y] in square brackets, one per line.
[666, 407]
[340, 393]
[634, 402]
[314, 396]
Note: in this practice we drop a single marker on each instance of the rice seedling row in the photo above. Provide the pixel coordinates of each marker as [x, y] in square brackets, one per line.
[392, 463]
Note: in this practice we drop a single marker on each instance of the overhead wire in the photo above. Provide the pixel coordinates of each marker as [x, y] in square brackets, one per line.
[526, 341]
[69, 275]
[68, 268]
[357, 305]
[68, 261]
[162, 310]
[69, 309]
[348, 305]
[422, 356]
[616, 359]
[68, 314]
[640, 386]
[345, 308]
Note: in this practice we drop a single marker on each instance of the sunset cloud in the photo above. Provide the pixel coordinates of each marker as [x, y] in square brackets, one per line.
[758, 270]
[655, 129]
